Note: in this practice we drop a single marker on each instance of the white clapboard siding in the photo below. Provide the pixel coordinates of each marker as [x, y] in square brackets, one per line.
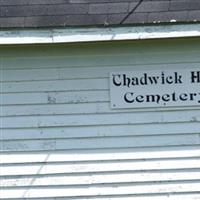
[101, 119]
[99, 131]
[152, 153]
[103, 178]
[99, 179]
[74, 108]
[100, 190]
[102, 142]
[61, 140]
[55, 97]
[55, 85]
[182, 196]
[91, 167]
[99, 143]
[79, 72]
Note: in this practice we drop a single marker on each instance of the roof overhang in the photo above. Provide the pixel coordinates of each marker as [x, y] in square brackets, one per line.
[72, 35]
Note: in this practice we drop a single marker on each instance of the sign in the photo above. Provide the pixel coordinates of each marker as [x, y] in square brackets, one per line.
[156, 88]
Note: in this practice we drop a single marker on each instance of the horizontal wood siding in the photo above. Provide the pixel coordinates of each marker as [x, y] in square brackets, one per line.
[60, 140]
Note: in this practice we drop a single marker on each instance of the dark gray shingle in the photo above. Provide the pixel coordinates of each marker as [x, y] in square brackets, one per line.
[59, 13]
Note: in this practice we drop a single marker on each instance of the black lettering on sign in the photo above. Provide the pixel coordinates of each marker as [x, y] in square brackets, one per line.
[195, 76]
[131, 97]
[155, 88]
[116, 80]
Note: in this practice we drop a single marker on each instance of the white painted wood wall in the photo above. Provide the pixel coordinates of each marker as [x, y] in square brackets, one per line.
[60, 139]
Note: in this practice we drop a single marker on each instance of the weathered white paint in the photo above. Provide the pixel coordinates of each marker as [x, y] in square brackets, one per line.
[103, 119]
[172, 196]
[102, 190]
[101, 155]
[119, 130]
[68, 35]
[101, 167]
[63, 180]
[60, 138]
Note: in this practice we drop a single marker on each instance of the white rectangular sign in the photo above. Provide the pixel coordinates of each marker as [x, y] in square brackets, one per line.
[156, 88]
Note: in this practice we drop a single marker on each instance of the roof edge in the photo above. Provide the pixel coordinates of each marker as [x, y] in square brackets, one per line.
[73, 35]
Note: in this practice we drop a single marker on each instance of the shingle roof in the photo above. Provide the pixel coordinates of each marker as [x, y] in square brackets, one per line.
[60, 13]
